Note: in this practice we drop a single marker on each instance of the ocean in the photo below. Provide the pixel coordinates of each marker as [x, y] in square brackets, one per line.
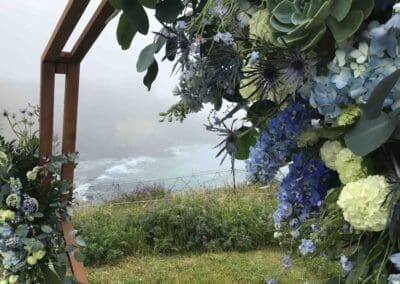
[182, 168]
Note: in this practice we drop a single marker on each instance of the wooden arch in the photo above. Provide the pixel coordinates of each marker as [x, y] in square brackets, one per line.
[55, 61]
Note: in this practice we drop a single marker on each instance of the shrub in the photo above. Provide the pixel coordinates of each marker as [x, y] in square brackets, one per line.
[190, 223]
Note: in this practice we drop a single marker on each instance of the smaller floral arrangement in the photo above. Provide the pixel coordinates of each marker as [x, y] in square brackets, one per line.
[32, 245]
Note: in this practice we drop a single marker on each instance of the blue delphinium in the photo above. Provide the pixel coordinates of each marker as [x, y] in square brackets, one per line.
[287, 261]
[274, 147]
[303, 189]
[347, 265]
[307, 247]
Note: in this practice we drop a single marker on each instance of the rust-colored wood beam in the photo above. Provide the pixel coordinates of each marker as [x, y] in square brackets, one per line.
[47, 79]
[92, 31]
[65, 26]
[69, 146]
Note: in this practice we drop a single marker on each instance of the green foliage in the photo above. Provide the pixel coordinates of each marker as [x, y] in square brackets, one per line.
[375, 127]
[125, 32]
[136, 15]
[168, 10]
[146, 57]
[303, 24]
[374, 105]
[151, 75]
[368, 135]
[246, 137]
[194, 222]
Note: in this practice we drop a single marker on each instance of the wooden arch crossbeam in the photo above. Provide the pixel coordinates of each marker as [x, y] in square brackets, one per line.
[55, 61]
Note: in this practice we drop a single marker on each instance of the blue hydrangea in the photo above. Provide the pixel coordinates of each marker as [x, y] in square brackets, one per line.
[275, 145]
[307, 247]
[356, 70]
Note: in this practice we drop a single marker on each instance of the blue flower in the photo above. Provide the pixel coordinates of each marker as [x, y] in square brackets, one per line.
[347, 265]
[395, 259]
[394, 278]
[307, 247]
[271, 281]
[5, 230]
[275, 145]
[287, 261]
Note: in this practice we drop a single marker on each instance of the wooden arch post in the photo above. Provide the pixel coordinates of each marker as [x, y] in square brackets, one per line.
[55, 61]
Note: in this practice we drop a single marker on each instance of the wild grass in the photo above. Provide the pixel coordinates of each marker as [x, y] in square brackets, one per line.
[223, 267]
[196, 222]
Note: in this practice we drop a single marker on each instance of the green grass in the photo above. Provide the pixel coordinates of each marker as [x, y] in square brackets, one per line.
[224, 267]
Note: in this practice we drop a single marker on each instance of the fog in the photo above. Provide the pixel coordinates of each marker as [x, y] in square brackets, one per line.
[117, 116]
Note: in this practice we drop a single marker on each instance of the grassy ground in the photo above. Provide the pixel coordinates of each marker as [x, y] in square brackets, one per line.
[232, 267]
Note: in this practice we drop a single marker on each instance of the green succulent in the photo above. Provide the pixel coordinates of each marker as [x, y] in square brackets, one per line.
[303, 23]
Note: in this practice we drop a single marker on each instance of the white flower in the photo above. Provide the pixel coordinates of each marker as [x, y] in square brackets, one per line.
[316, 123]
[396, 8]
[180, 25]
[32, 175]
[227, 38]
[363, 203]
[3, 159]
[254, 57]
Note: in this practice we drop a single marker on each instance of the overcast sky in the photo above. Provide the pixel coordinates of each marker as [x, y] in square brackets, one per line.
[117, 116]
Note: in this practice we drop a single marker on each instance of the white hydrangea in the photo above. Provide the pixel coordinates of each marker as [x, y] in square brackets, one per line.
[363, 203]
[329, 152]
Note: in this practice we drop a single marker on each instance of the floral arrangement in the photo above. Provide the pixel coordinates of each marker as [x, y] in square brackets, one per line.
[32, 245]
[315, 86]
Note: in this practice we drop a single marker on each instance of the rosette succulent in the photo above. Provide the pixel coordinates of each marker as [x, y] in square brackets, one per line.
[303, 23]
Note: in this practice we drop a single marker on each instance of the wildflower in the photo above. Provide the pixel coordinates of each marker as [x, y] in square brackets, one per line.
[15, 185]
[5, 230]
[329, 152]
[12, 279]
[271, 281]
[287, 261]
[395, 259]
[32, 175]
[31, 260]
[3, 159]
[254, 57]
[29, 205]
[13, 200]
[363, 203]
[307, 247]
[394, 279]
[226, 38]
[180, 25]
[6, 215]
[346, 264]
[277, 235]
[349, 115]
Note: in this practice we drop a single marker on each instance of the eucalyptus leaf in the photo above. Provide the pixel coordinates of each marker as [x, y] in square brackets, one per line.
[46, 229]
[261, 109]
[374, 105]
[151, 75]
[136, 14]
[80, 241]
[79, 256]
[168, 10]
[146, 57]
[21, 231]
[117, 4]
[368, 135]
[151, 4]
[244, 142]
[125, 32]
